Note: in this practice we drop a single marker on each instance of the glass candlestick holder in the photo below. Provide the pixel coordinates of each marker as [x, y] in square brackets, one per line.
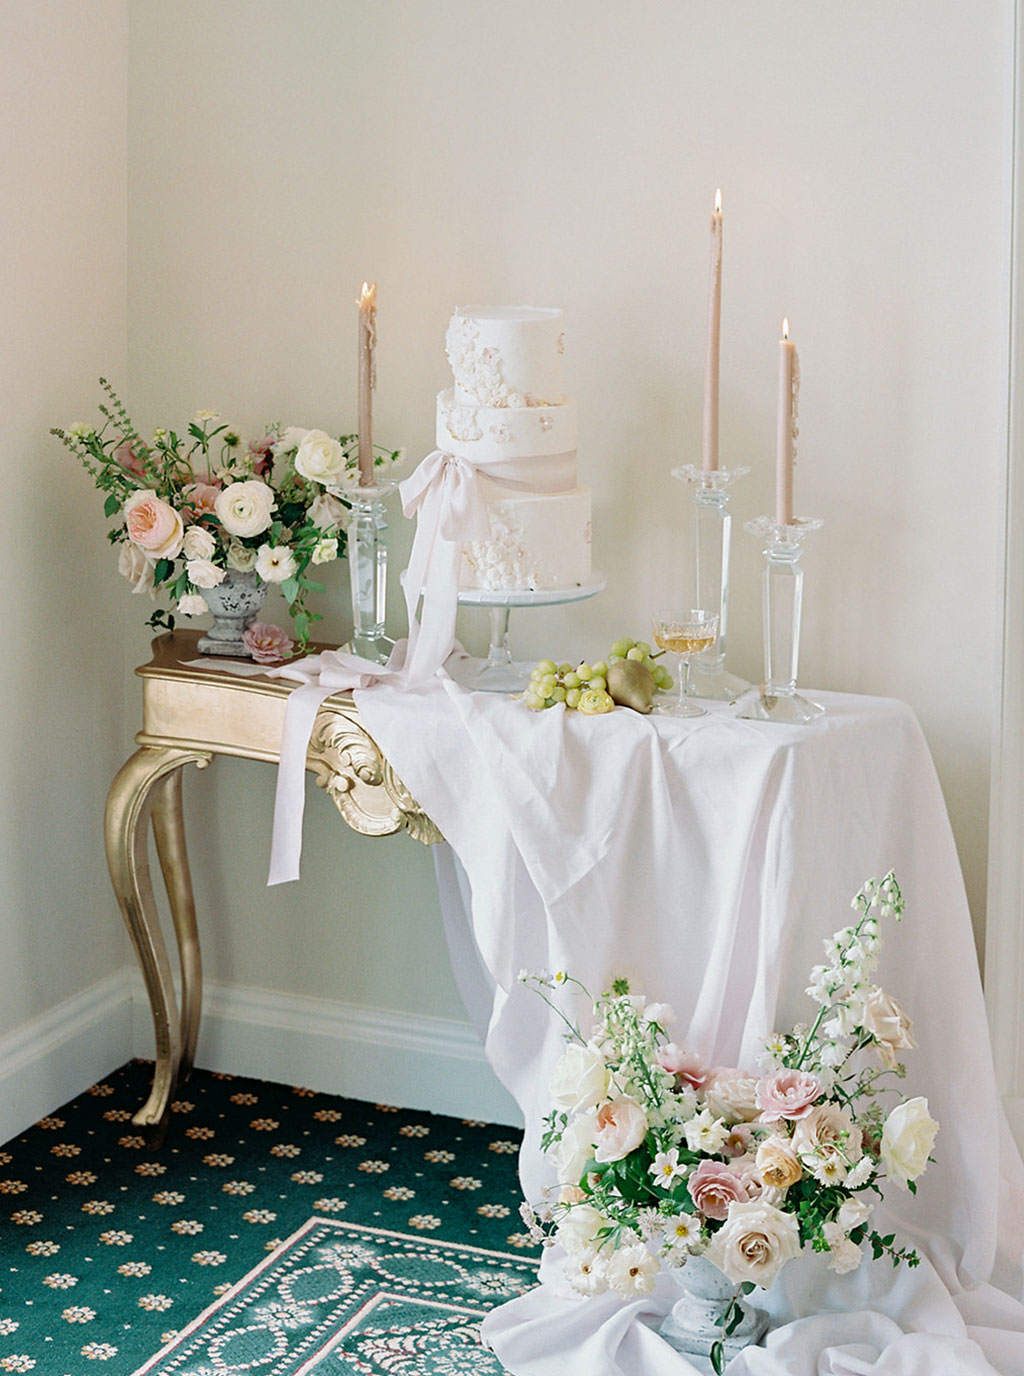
[782, 593]
[709, 678]
[368, 567]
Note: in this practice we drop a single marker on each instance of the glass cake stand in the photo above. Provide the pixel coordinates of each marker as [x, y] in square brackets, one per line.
[499, 672]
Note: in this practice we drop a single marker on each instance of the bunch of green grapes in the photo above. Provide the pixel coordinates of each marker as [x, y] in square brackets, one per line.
[551, 682]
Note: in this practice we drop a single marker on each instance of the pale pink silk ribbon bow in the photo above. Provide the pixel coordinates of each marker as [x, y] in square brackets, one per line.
[444, 496]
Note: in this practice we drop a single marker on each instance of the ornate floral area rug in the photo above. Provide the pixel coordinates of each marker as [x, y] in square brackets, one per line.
[110, 1249]
[339, 1297]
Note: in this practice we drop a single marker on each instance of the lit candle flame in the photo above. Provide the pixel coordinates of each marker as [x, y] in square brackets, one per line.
[369, 294]
[718, 201]
[785, 327]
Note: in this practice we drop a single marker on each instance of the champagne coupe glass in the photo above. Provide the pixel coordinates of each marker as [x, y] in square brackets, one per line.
[684, 633]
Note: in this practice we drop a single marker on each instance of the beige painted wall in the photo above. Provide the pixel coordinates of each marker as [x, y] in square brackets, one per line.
[278, 153]
[62, 323]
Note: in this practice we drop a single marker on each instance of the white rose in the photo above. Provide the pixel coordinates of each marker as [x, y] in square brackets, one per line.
[579, 1228]
[198, 543]
[576, 1147]
[325, 551]
[888, 1024]
[133, 565]
[755, 1242]
[328, 512]
[732, 1095]
[203, 573]
[192, 604]
[240, 557]
[827, 1132]
[580, 1079]
[244, 508]
[275, 565]
[319, 457]
[907, 1140]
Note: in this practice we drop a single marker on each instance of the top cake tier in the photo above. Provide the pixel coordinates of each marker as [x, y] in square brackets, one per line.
[506, 356]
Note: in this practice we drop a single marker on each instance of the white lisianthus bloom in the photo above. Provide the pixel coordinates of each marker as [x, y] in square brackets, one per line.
[275, 564]
[852, 1213]
[133, 565]
[576, 1147]
[203, 573]
[325, 551]
[632, 1271]
[240, 557]
[706, 1133]
[192, 604]
[755, 1242]
[843, 1255]
[580, 1079]
[328, 512]
[578, 1230]
[198, 543]
[244, 508]
[907, 1140]
[319, 457]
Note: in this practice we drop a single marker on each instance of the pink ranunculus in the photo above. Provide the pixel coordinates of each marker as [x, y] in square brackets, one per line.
[787, 1094]
[125, 455]
[687, 1067]
[714, 1186]
[200, 498]
[621, 1127]
[153, 525]
[266, 643]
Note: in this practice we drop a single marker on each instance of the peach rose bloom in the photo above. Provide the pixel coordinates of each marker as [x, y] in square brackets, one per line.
[888, 1024]
[153, 525]
[777, 1163]
[713, 1187]
[787, 1094]
[621, 1127]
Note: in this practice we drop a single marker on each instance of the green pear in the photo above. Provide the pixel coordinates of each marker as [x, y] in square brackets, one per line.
[631, 684]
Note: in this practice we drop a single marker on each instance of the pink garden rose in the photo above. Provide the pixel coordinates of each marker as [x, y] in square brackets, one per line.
[153, 525]
[621, 1127]
[687, 1067]
[714, 1186]
[266, 643]
[787, 1094]
[200, 498]
[755, 1243]
[126, 456]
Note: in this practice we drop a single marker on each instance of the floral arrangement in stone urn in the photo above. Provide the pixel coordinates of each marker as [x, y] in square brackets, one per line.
[725, 1174]
[211, 520]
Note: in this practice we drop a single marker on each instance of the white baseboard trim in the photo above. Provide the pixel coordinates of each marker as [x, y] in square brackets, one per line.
[49, 1060]
[415, 1061]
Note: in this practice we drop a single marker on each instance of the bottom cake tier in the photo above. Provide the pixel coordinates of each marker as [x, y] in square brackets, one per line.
[539, 541]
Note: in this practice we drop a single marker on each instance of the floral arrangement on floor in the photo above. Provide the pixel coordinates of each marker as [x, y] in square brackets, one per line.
[660, 1157]
[194, 507]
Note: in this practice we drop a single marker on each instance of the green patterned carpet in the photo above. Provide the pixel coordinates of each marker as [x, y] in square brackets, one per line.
[107, 1250]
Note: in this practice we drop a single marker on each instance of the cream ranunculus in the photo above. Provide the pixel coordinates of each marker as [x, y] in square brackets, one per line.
[888, 1024]
[153, 525]
[580, 1079]
[203, 573]
[319, 457]
[755, 1242]
[198, 543]
[240, 557]
[244, 508]
[275, 564]
[907, 1140]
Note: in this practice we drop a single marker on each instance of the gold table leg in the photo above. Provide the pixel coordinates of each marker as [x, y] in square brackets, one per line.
[148, 788]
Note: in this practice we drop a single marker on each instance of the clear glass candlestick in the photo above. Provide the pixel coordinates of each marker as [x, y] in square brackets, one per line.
[782, 593]
[709, 677]
[368, 567]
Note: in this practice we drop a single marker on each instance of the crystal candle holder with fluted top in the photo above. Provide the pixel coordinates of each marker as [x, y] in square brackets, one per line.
[709, 678]
[782, 602]
[368, 568]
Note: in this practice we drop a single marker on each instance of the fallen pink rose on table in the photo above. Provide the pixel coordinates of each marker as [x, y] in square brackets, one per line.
[266, 643]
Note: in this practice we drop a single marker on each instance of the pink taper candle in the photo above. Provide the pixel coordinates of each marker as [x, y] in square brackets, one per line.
[367, 340]
[710, 438]
[785, 448]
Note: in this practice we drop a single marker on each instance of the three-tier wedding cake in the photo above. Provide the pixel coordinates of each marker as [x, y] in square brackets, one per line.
[507, 416]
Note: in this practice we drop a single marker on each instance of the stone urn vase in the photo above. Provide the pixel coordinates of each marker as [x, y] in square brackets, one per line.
[694, 1323]
[235, 604]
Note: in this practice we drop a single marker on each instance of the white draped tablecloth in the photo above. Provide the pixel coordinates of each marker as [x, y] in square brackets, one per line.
[707, 860]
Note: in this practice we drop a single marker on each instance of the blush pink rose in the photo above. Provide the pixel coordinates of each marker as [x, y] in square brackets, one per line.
[714, 1186]
[126, 456]
[688, 1068]
[621, 1127]
[200, 498]
[153, 525]
[266, 643]
[787, 1094]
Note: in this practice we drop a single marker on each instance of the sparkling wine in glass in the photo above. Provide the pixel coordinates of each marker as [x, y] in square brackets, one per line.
[684, 633]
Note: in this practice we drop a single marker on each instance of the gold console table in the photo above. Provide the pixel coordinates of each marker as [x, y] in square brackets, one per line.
[190, 714]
